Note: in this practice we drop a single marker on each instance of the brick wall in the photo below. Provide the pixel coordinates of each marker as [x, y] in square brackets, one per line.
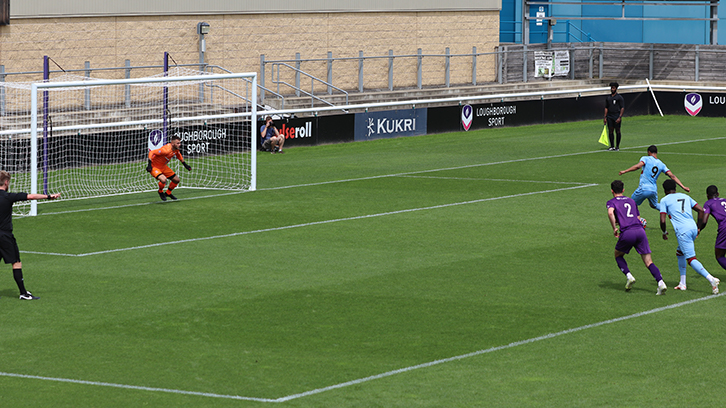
[236, 42]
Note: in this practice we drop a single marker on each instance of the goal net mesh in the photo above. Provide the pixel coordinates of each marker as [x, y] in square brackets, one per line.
[93, 140]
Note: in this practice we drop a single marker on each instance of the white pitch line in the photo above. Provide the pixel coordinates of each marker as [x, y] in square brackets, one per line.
[135, 387]
[359, 217]
[696, 154]
[489, 350]
[369, 378]
[492, 179]
[113, 207]
[467, 166]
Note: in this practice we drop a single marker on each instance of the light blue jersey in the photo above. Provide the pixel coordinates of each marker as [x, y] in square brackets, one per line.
[648, 189]
[679, 208]
[650, 172]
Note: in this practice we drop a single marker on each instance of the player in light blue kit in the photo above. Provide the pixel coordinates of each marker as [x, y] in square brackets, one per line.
[651, 167]
[679, 207]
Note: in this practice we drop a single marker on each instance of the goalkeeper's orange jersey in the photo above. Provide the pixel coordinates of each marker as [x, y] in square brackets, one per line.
[160, 157]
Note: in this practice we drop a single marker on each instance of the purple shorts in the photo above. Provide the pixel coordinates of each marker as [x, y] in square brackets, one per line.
[721, 239]
[633, 238]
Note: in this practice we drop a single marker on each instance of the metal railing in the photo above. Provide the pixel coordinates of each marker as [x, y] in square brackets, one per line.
[125, 72]
[564, 31]
[298, 89]
[260, 89]
[625, 61]
[294, 66]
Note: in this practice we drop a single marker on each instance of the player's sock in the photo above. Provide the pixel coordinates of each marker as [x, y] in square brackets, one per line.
[682, 263]
[18, 275]
[655, 272]
[683, 280]
[722, 261]
[172, 186]
[622, 265]
[698, 267]
[161, 187]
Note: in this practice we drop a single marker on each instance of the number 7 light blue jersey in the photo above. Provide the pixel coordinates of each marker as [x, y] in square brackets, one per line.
[680, 209]
[650, 172]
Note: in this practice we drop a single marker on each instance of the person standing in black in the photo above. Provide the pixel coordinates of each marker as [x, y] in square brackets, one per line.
[614, 109]
[8, 246]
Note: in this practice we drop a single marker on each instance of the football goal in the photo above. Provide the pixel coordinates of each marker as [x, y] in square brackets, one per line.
[90, 138]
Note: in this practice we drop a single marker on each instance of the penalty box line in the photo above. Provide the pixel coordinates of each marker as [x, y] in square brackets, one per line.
[360, 217]
[491, 350]
[364, 379]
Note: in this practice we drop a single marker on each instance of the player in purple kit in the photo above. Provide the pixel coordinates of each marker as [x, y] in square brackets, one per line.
[623, 212]
[716, 206]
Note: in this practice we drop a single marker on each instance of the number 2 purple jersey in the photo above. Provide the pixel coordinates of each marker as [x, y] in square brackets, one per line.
[626, 212]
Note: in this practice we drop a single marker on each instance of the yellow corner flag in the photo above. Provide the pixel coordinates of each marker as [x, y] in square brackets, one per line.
[604, 136]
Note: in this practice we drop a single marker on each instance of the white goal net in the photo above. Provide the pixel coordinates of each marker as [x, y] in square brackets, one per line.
[90, 138]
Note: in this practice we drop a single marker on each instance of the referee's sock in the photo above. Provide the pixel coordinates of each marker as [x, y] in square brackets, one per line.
[18, 275]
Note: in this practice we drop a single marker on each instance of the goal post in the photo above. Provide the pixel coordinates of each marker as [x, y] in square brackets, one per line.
[91, 138]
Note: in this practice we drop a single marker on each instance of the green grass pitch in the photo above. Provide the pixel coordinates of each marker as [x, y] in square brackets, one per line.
[458, 270]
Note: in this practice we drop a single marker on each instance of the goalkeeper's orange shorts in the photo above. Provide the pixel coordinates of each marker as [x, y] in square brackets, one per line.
[166, 171]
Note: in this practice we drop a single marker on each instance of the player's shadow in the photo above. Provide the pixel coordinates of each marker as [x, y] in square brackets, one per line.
[9, 293]
[620, 287]
[648, 287]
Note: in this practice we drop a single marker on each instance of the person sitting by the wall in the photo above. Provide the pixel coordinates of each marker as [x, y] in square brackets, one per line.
[270, 138]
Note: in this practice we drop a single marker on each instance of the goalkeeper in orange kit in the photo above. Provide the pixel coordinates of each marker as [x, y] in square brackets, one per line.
[159, 166]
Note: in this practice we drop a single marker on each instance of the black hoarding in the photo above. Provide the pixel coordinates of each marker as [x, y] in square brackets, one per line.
[692, 103]
[540, 111]
[314, 130]
[484, 116]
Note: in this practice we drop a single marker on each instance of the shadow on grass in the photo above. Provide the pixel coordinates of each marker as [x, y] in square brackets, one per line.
[620, 287]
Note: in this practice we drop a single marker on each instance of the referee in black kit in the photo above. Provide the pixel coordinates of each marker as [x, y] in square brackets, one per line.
[614, 109]
[8, 247]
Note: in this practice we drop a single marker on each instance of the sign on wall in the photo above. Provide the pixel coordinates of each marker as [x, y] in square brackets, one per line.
[551, 63]
[387, 124]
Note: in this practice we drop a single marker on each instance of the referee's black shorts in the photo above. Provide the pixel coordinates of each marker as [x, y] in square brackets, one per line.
[613, 124]
[9, 248]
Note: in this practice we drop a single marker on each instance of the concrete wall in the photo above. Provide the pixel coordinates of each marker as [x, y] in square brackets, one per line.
[236, 42]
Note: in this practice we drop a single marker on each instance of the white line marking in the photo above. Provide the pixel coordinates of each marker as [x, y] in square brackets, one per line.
[372, 377]
[135, 387]
[490, 350]
[138, 204]
[492, 179]
[696, 154]
[359, 217]
[468, 166]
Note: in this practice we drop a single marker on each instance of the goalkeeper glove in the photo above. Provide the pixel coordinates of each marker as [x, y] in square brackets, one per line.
[186, 166]
[148, 167]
